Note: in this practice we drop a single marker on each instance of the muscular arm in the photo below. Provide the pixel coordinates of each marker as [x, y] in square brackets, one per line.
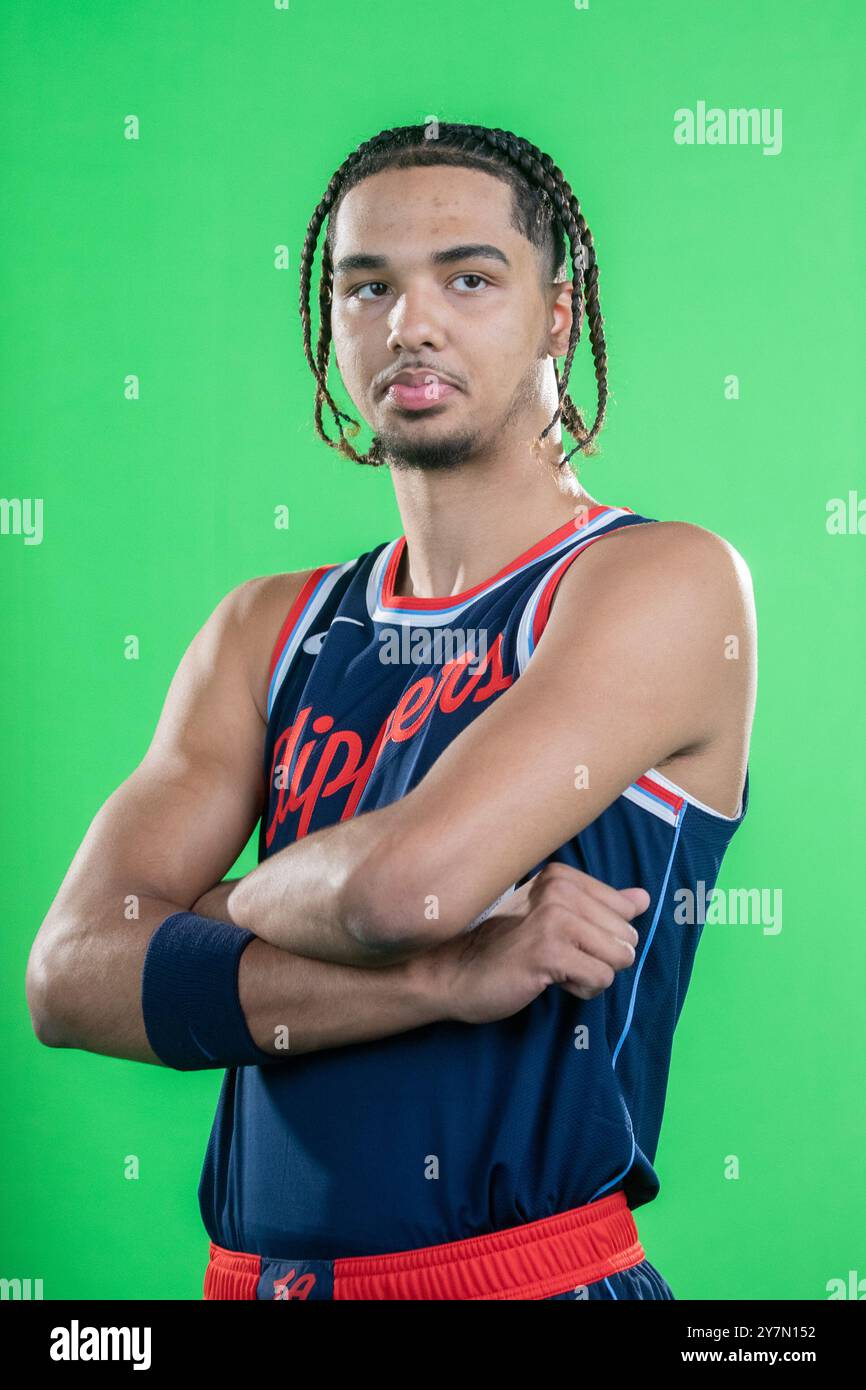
[171, 830]
[629, 670]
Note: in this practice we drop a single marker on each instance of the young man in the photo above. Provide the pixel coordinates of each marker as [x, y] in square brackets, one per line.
[446, 996]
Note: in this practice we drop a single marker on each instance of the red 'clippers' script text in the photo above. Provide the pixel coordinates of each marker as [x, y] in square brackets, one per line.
[330, 772]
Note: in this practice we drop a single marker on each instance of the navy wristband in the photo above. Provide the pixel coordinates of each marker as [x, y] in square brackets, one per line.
[189, 995]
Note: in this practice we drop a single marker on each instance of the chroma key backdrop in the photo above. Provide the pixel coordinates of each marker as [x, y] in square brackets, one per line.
[162, 164]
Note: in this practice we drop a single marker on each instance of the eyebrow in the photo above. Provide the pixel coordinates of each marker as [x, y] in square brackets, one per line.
[471, 251]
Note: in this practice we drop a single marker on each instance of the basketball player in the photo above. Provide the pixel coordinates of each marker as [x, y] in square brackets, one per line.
[445, 998]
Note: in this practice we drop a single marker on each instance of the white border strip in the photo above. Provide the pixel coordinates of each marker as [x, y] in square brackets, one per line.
[302, 627]
[651, 803]
[524, 630]
[438, 617]
[692, 800]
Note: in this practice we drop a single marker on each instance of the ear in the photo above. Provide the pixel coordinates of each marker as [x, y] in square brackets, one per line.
[561, 317]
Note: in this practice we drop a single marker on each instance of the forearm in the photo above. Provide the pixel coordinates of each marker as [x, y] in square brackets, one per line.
[296, 1004]
[291, 1004]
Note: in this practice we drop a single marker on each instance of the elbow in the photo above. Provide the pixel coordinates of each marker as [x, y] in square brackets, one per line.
[42, 1020]
[39, 985]
[395, 906]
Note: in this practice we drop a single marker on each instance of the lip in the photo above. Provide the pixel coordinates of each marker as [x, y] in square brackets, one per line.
[418, 388]
[418, 397]
[417, 376]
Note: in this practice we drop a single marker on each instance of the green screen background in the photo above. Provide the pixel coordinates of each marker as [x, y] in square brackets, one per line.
[156, 257]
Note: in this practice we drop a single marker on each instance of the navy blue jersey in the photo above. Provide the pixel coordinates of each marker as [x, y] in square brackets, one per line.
[451, 1130]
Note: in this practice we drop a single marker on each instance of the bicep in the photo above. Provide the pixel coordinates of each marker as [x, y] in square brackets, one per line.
[176, 825]
[625, 674]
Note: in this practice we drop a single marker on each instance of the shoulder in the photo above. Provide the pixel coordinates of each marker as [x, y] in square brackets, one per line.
[672, 586]
[657, 618]
[710, 553]
[669, 562]
[680, 541]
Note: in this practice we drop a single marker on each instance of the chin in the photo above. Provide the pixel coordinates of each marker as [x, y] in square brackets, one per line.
[409, 450]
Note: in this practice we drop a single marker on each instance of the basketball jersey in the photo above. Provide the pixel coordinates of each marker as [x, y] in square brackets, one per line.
[451, 1130]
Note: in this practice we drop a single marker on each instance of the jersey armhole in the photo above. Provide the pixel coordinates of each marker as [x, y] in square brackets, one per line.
[293, 615]
[536, 611]
[315, 592]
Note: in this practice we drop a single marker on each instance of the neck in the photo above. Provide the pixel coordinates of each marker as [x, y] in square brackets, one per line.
[464, 526]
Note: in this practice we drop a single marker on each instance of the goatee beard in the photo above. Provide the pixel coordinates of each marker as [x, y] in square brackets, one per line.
[428, 455]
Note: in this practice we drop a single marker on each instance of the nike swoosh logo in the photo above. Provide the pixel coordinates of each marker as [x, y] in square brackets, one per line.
[313, 644]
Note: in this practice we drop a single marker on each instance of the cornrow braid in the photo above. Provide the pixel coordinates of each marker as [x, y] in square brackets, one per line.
[547, 212]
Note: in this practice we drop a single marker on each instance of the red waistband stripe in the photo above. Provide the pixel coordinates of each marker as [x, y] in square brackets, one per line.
[532, 1261]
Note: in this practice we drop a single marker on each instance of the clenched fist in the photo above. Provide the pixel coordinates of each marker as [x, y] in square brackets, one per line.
[563, 927]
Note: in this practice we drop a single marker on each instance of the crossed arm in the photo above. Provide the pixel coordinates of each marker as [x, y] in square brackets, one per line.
[630, 670]
[627, 672]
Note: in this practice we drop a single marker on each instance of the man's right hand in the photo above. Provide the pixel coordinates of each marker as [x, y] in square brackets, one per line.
[562, 927]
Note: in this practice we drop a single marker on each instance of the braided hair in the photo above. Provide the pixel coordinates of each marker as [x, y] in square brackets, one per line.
[545, 209]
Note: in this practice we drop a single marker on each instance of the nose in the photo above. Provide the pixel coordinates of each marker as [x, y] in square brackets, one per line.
[413, 322]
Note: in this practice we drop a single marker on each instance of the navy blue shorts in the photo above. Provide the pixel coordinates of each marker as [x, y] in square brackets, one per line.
[641, 1281]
